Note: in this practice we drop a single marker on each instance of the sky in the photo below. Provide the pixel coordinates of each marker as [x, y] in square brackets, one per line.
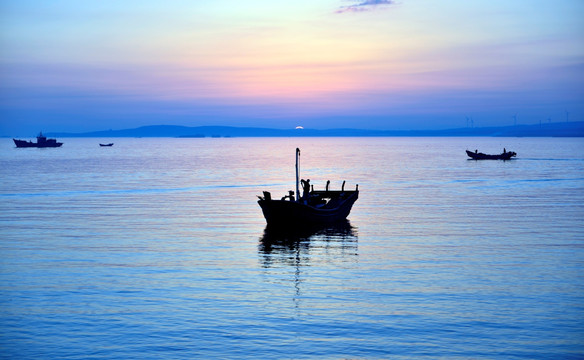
[76, 66]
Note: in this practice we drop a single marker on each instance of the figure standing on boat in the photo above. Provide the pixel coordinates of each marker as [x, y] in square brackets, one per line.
[305, 189]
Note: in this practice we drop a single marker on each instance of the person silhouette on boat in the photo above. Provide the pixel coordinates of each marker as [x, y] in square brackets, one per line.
[305, 189]
[290, 196]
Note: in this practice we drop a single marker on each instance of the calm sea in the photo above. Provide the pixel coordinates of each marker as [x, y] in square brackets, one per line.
[156, 249]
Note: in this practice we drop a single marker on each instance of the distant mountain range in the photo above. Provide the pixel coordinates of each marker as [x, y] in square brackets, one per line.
[564, 129]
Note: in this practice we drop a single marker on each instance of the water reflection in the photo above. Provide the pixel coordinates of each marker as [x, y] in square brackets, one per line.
[299, 252]
[298, 247]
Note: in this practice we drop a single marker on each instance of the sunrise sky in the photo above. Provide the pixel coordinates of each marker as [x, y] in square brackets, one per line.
[376, 64]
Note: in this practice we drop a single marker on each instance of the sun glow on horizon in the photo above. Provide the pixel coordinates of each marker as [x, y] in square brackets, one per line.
[298, 58]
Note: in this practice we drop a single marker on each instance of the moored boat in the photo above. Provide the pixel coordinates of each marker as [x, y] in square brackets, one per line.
[42, 142]
[110, 144]
[505, 155]
[312, 208]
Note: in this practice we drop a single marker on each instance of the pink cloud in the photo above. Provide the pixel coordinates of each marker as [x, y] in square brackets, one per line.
[364, 6]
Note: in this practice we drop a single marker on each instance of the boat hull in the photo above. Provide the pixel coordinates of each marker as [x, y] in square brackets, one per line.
[30, 144]
[481, 156]
[284, 213]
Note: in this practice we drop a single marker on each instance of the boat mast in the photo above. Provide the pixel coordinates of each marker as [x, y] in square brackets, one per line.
[297, 175]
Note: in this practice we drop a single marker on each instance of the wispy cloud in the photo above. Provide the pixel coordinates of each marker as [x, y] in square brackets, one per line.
[365, 5]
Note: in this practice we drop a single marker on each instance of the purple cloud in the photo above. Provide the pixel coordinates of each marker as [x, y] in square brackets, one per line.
[365, 5]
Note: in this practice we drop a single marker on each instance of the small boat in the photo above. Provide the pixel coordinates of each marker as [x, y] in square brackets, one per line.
[314, 207]
[42, 142]
[505, 155]
[110, 144]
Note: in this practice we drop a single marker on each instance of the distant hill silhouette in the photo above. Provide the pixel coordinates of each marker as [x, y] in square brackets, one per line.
[563, 129]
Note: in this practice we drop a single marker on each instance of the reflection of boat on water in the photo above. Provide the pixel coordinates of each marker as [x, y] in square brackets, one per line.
[505, 155]
[104, 145]
[42, 142]
[313, 207]
[279, 244]
[281, 236]
[295, 252]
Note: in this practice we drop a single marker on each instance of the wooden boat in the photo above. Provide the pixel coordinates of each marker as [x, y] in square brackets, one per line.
[42, 142]
[505, 155]
[110, 144]
[312, 208]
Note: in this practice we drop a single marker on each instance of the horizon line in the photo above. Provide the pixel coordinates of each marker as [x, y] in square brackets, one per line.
[565, 129]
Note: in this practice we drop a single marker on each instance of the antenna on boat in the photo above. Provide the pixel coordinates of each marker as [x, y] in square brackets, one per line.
[297, 174]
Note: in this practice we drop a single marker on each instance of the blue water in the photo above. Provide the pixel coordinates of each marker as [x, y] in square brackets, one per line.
[155, 249]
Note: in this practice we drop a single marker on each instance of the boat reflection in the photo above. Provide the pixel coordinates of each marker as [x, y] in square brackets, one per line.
[298, 246]
[298, 252]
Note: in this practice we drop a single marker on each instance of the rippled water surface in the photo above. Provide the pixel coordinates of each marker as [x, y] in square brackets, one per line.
[157, 249]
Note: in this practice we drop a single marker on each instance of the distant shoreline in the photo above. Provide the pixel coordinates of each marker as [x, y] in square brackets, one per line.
[564, 129]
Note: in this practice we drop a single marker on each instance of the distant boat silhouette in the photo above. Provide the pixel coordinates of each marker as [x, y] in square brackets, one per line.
[110, 144]
[313, 208]
[42, 142]
[505, 155]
